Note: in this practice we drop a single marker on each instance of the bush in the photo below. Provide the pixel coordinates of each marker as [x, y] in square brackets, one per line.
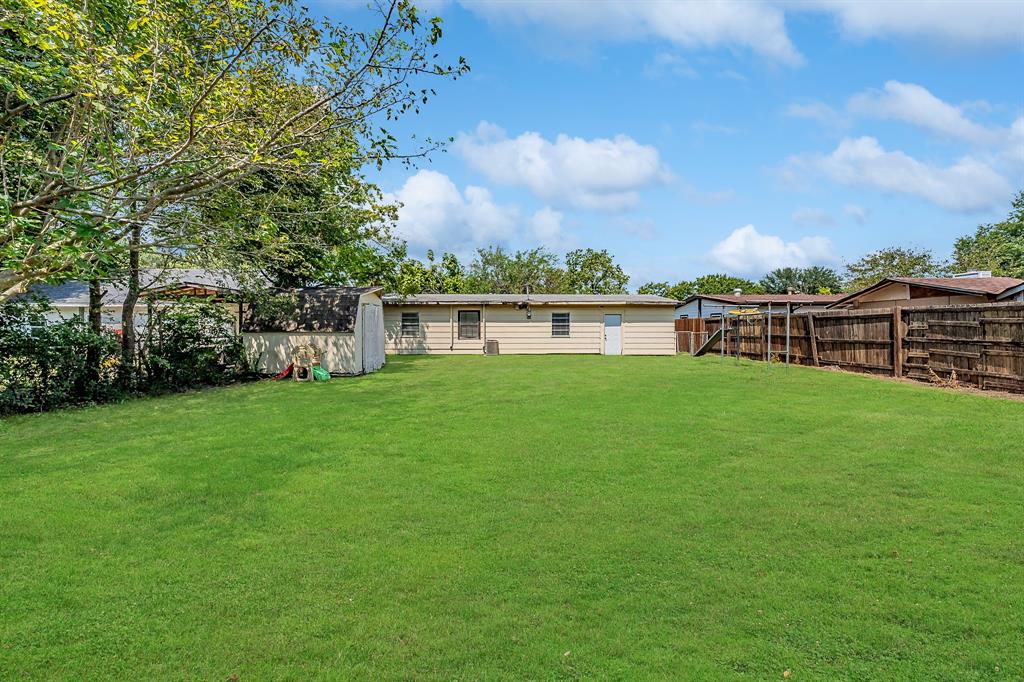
[46, 364]
[192, 343]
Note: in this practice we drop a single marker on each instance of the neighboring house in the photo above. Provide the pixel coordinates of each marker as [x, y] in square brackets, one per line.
[71, 299]
[345, 323]
[714, 305]
[530, 324]
[907, 292]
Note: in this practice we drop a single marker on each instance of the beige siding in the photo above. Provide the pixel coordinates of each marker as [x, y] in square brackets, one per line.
[438, 331]
[518, 335]
[646, 330]
[275, 350]
[898, 294]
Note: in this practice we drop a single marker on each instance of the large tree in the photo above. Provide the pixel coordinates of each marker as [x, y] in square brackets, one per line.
[588, 271]
[118, 115]
[717, 283]
[894, 261]
[812, 280]
[497, 271]
[998, 247]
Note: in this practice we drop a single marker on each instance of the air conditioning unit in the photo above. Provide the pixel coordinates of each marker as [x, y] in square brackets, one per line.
[973, 274]
[491, 347]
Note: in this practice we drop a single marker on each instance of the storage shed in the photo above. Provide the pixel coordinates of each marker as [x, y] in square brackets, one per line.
[345, 323]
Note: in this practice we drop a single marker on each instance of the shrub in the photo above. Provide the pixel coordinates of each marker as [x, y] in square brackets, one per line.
[46, 364]
[191, 343]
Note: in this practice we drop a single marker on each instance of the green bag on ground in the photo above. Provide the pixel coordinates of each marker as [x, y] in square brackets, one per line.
[321, 374]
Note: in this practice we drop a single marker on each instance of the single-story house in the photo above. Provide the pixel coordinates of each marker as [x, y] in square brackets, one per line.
[715, 305]
[345, 323]
[71, 298]
[908, 292]
[530, 324]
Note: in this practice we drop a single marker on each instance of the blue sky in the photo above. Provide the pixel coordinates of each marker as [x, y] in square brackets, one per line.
[689, 138]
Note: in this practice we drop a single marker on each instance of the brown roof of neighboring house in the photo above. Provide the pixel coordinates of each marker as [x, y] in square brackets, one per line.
[765, 299]
[980, 286]
[985, 285]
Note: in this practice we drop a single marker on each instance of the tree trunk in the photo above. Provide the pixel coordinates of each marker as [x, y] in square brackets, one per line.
[95, 306]
[128, 336]
[93, 358]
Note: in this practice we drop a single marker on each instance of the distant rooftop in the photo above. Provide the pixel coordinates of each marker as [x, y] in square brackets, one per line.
[75, 293]
[765, 299]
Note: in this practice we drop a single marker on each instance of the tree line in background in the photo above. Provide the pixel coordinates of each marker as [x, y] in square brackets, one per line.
[497, 271]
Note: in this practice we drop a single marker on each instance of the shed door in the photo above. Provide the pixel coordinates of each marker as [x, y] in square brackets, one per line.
[613, 334]
[373, 338]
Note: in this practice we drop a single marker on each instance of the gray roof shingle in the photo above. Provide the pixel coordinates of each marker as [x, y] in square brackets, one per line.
[535, 299]
[315, 309]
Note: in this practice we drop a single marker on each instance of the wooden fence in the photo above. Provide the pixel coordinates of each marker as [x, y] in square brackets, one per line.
[983, 344]
[691, 334]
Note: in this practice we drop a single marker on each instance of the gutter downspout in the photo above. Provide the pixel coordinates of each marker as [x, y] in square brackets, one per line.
[451, 327]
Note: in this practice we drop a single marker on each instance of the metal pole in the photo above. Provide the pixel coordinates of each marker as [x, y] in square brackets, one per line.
[738, 338]
[789, 308]
[769, 334]
[721, 328]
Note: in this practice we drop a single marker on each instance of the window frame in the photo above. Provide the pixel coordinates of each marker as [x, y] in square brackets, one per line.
[567, 323]
[403, 333]
[460, 325]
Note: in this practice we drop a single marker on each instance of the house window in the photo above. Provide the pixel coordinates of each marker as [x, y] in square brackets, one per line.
[469, 324]
[410, 324]
[559, 324]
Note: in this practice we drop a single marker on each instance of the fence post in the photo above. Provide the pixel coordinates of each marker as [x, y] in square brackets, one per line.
[814, 338]
[897, 341]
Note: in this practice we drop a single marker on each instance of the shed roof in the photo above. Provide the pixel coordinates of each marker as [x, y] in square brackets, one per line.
[314, 309]
[531, 299]
[989, 287]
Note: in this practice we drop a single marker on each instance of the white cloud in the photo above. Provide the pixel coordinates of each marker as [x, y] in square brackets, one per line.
[914, 104]
[435, 214]
[670, 64]
[547, 230]
[756, 26]
[969, 23]
[813, 216]
[600, 174]
[729, 74]
[820, 112]
[760, 26]
[967, 185]
[859, 214]
[748, 252]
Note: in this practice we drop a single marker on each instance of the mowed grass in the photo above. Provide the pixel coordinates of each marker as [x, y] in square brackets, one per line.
[520, 518]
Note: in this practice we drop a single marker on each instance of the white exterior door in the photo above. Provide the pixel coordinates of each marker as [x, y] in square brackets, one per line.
[613, 334]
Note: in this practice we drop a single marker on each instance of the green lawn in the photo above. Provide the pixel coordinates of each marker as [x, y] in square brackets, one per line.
[520, 517]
